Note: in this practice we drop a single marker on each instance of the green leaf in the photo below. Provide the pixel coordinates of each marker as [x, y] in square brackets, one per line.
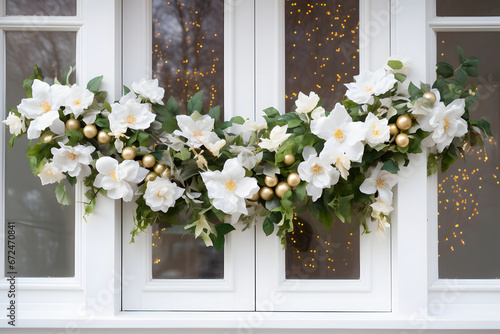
[268, 226]
[102, 122]
[395, 64]
[444, 69]
[485, 125]
[172, 106]
[195, 103]
[215, 113]
[11, 142]
[414, 91]
[300, 191]
[89, 208]
[74, 136]
[400, 77]
[432, 164]
[237, 120]
[224, 228]
[462, 76]
[170, 125]
[391, 166]
[449, 158]
[62, 195]
[294, 123]
[460, 54]
[95, 84]
[271, 112]
[126, 90]
[183, 154]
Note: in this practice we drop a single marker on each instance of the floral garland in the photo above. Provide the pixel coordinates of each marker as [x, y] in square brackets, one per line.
[205, 174]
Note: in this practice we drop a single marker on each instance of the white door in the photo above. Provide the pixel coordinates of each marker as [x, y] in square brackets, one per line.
[352, 272]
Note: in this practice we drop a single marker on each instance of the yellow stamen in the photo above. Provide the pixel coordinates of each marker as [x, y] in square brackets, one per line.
[375, 131]
[339, 135]
[198, 135]
[316, 169]
[159, 195]
[380, 183]
[230, 185]
[131, 120]
[113, 175]
[78, 102]
[72, 156]
[46, 107]
[368, 88]
[447, 124]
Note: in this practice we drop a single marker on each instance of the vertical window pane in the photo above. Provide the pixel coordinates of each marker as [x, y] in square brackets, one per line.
[44, 228]
[41, 7]
[467, 8]
[188, 56]
[188, 49]
[321, 54]
[321, 48]
[469, 192]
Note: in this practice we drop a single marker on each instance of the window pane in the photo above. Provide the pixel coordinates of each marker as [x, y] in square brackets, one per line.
[188, 56]
[179, 255]
[469, 192]
[467, 8]
[188, 49]
[321, 49]
[41, 7]
[314, 253]
[44, 228]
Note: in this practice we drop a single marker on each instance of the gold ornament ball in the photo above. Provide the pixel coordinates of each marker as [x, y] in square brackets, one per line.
[151, 176]
[90, 131]
[404, 122]
[271, 181]
[72, 124]
[430, 96]
[282, 188]
[148, 160]
[47, 137]
[293, 179]
[402, 140]
[128, 153]
[103, 137]
[166, 174]
[289, 159]
[160, 168]
[393, 129]
[266, 193]
[255, 197]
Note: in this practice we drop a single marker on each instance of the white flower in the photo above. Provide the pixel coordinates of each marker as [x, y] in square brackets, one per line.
[43, 107]
[381, 211]
[196, 132]
[229, 188]
[317, 172]
[406, 65]
[277, 136]
[17, 125]
[89, 116]
[369, 84]
[246, 129]
[202, 229]
[318, 113]
[423, 106]
[215, 147]
[306, 104]
[50, 174]
[129, 113]
[246, 157]
[378, 130]
[381, 181]
[445, 122]
[172, 141]
[149, 90]
[333, 154]
[161, 194]
[77, 100]
[339, 128]
[117, 178]
[74, 160]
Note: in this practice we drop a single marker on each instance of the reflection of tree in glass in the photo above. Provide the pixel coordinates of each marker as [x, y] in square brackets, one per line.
[321, 48]
[41, 7]
[188, 49]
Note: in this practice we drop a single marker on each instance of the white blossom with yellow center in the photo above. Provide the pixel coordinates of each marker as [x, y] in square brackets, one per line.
[277, 136]
[198, 132]
[229, 188]
[73, 160]
[378, 130]
[161, 194]
[380, 181]
[305, 104]
[78, 100]
[51, 174]
[369, 84]
[130, 113]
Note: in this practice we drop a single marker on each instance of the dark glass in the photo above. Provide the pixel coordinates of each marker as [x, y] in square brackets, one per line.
[321, 49]
[467, 8]
[188, 49]
[314, 253]
[40, 7]
[469, 192]
[45, 230]
[177, 255]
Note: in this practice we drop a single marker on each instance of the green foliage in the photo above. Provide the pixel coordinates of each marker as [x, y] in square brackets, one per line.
[195, 103]
[61, 194]
[94, 84]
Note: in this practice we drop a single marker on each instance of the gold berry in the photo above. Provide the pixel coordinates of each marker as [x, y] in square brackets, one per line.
[266, 193]
[128, 153]
[103, 137]
[402, 140]
[289, 159]
[281, 189]
[293, 179]
[148, 160]
[72, 124]
[393, 129]
[271, 181]
[47, 137]
[90, 131]
[404, 122]
[159, 168]
[151, 176]
[430, 96]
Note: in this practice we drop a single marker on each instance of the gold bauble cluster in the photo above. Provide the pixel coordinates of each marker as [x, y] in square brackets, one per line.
[275, 187]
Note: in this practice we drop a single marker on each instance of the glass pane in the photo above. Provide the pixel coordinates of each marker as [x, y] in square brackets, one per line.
[179, 255]
[467, 8]
[314, 253]
[44, 229]
[469, 192]
[321, 49]
[188, 56]
[188, 49]
[41, 7]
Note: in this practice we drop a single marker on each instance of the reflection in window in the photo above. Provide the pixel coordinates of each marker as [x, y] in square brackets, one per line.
[188, 49]
[467, 8]
[469, 192]
[41, 7]
[321, 49]
[178, 255]
[314, 253]
[44, 229]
